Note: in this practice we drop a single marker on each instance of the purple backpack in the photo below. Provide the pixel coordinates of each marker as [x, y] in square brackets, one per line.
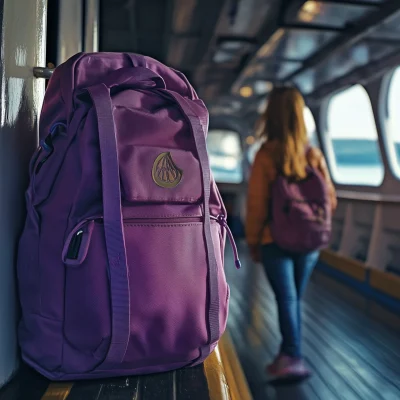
[121, 261]
[301, 212]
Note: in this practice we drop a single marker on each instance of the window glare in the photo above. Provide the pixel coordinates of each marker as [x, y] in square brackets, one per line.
[225, 153]
[353, 152]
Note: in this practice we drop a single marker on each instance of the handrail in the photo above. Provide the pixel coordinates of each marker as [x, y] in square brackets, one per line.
[368, 196]
[43, 72]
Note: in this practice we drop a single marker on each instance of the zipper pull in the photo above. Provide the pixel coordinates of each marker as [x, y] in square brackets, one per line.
[75, 245]
[222, 221]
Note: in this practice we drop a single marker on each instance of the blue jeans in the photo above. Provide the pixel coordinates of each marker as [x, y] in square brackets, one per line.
[288, 274]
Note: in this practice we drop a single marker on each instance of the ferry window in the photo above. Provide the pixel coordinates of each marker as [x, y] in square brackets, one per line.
[311, 131]
[354, 154]
[393, 123]
[225, 152]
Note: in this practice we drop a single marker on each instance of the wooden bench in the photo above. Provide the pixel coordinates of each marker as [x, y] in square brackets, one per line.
[219, 378]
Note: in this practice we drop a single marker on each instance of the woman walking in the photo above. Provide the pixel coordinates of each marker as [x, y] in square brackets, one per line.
[290, 201]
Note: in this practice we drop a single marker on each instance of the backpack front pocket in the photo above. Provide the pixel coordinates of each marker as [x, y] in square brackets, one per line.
[168, 281]
[168, 275]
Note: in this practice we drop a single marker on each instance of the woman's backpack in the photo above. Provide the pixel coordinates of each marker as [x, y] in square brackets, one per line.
[301, 212]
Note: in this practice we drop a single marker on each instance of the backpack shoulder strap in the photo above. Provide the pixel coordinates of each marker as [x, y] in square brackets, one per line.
[113, 225]
[199, 124]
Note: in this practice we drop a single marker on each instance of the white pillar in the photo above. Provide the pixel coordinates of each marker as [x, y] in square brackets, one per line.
[70, 35]
[91, 40]
[23, 47]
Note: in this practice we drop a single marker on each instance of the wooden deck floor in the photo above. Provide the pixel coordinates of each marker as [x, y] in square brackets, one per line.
[353, 354]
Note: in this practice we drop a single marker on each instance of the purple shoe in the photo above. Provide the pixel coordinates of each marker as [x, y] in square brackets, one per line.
[272, 368]
[288, 367]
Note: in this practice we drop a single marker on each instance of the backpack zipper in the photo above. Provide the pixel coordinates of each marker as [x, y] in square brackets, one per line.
[76, 241]
[75, 245]
[222, 221]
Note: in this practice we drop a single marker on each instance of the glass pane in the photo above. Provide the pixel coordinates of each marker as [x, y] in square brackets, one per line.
[354, 154]
[393, 123]
[225, 152]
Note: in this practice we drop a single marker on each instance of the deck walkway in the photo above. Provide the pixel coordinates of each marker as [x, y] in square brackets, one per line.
[353, 354]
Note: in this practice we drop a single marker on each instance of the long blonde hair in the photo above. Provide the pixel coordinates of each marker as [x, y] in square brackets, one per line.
[283, 122]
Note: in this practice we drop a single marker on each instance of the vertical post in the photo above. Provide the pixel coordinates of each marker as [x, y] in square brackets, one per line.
[91, 42]
[377, 252]
[70, 33]
[23, 46]
[348, 234]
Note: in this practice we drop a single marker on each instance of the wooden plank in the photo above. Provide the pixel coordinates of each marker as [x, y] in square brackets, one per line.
[216, 378]
[368, 333]
[191, 383]
[353, 268]
[157, 387]
[352, 355]
[359, 370]
[86, 390]
[346, 292]
[334, 301]
[264, 331]
[384, 316]
[315, 352]
[234, 373]
[123, 388]
[173, 385]
[57, 391]
[385, 282]
[254, 358]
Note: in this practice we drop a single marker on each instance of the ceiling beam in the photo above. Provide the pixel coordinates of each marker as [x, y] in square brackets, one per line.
[234, 38]
[352, 35]
[357, 3]
[183, 14]
[313, 27]
[359, 75]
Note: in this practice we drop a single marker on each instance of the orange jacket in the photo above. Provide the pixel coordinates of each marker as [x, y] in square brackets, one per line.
[262, 175]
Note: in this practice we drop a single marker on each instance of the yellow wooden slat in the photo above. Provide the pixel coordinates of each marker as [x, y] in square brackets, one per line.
[385, 282]
[216, 379]
[58, 391]
[225, 377]
[348, 266]
[236, 379]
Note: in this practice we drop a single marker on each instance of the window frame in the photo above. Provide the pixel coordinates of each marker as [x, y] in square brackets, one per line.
[327, 144]
[242, 153]
[393, 160]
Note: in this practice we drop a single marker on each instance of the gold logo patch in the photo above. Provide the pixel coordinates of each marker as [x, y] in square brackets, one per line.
[165, 173]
